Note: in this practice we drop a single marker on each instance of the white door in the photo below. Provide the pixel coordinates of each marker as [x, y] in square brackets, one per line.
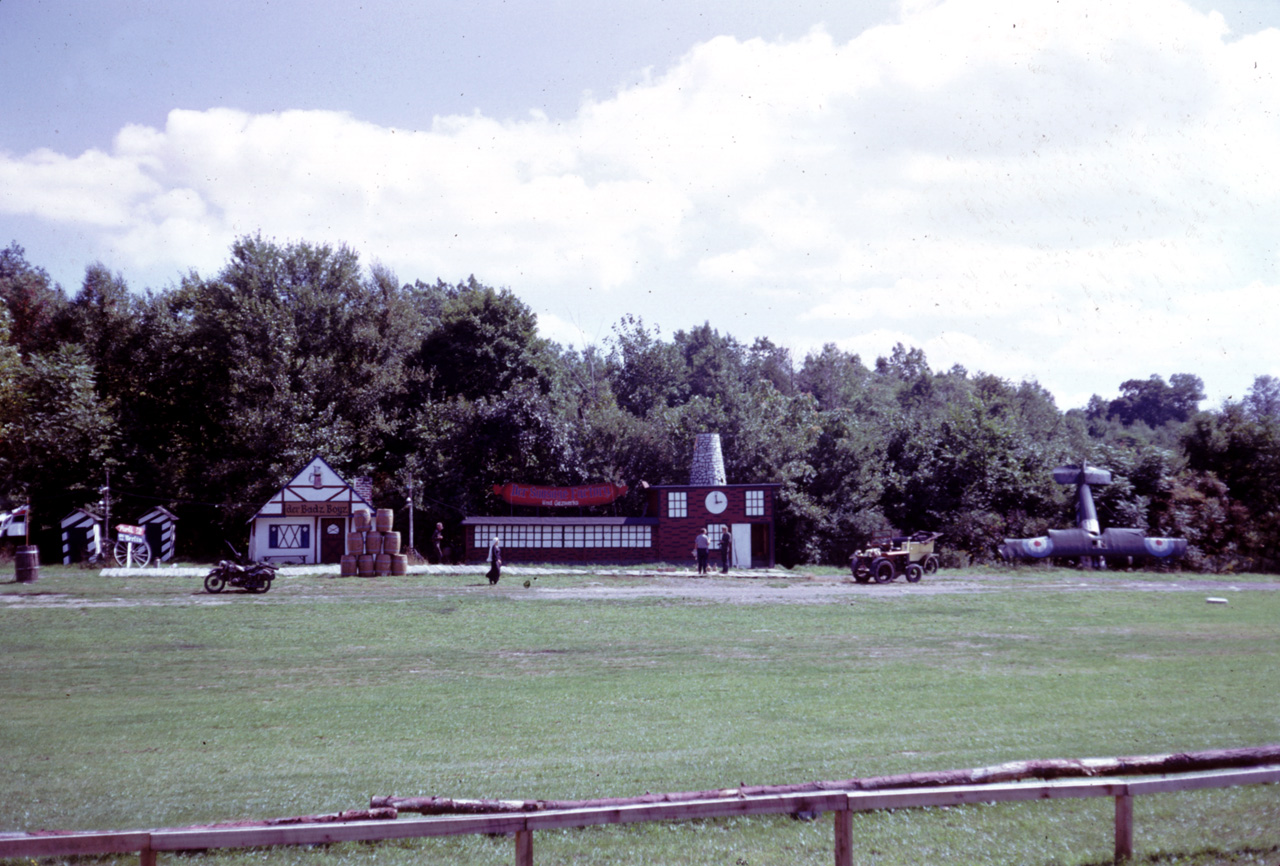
[742, 545]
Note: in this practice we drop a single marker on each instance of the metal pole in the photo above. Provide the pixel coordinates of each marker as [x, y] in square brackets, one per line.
[411, 547]
[106, 529]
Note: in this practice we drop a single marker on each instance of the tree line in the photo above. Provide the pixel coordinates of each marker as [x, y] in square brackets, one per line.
[208, 396]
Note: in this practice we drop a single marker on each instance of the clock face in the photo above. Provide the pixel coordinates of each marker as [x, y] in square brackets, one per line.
[717, 502]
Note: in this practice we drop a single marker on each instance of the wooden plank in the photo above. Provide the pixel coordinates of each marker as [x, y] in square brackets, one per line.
[844, 838]
[524, 848]
[147, 857]
[317, 834]
[862, 801]
[68, 844]
[1201, 781]
[687, 811]
[1124, 827]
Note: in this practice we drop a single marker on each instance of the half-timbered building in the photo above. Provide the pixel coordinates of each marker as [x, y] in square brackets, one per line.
[308, 519]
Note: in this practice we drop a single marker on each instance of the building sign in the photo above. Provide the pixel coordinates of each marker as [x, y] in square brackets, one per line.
[316, 509]
[556, 497]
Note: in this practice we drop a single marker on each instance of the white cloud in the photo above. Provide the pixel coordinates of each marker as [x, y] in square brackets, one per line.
[1079, 192]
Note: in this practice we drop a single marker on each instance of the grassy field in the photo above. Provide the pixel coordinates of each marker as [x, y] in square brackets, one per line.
[143, 702]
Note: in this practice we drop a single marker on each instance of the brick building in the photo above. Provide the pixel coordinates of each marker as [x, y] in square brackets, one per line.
[673, 515]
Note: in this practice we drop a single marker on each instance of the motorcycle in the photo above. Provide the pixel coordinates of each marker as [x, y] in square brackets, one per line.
[249, 576]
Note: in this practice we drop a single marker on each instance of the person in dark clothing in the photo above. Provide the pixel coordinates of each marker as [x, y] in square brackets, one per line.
[437, 542]
[726, 546]
[495, 561]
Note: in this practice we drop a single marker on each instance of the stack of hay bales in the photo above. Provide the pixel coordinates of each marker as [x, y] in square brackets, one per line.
[373, 550]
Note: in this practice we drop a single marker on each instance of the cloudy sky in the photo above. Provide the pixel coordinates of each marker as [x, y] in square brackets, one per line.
[1073, 192]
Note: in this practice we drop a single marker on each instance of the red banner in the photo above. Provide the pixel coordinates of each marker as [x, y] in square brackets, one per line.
[556, 497]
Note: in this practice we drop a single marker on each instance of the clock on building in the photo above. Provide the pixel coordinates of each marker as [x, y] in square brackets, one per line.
[717, 501]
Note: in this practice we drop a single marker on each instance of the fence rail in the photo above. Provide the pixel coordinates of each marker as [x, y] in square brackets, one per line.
[842, 804]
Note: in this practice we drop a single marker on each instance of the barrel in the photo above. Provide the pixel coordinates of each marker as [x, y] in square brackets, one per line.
[348, 566]
[360, 520]
[27, 564]
[384, 519]
[355, 543]
[373, 543]
[399, 563]
[364, 566]
[382, 563]
[391, 542]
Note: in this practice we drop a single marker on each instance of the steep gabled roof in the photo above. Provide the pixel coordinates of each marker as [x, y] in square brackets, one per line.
[317, 482]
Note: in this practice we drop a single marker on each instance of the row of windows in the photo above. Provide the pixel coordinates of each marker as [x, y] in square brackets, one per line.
[563, 536]
[678, 503]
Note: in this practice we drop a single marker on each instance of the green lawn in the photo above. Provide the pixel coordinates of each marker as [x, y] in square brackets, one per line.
[143, 702]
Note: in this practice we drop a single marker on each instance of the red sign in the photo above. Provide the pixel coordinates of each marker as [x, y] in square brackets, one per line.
[131, 533]
[583, 494]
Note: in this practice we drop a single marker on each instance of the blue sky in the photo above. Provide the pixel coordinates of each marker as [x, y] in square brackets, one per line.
[1075, 195]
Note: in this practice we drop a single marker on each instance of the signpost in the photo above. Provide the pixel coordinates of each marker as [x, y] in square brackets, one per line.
[131, 546]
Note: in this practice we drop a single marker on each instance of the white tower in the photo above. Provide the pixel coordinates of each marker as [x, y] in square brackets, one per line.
[708, 462]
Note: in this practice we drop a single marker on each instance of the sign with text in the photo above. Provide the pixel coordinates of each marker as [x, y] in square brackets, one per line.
[583, 494]
[132, 534]
[316, 509]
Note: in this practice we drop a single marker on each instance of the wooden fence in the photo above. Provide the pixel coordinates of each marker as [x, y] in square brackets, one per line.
[523, 825]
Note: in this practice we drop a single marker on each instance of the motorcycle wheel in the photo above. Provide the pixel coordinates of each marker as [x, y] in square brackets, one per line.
[259, 586]
[214, 582]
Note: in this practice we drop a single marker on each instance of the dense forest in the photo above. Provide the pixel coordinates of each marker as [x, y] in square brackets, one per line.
[209, 395]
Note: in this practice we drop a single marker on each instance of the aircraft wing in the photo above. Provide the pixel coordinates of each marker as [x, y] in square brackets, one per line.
[1078, 542]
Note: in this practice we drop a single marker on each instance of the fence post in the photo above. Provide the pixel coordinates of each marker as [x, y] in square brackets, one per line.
[524, 848]
[1124, 827]
[844, 837]
[147, 857]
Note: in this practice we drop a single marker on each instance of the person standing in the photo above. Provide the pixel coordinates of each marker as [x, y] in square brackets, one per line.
[437, 542]
[701, 545]
[726, 547]
[495, 560]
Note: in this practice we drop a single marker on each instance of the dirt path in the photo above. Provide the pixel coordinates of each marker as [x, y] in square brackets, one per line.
[748, 587]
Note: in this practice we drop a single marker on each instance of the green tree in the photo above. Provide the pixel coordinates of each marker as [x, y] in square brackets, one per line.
[836, 379]
[34, 301]
[56, 450]
[486, 341]
[646, 373]
[1156, 403]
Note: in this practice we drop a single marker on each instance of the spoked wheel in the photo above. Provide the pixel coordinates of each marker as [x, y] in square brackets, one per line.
[931, 564]
[914, 572]
[882, 569]
[214, 582]
[141, 553]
